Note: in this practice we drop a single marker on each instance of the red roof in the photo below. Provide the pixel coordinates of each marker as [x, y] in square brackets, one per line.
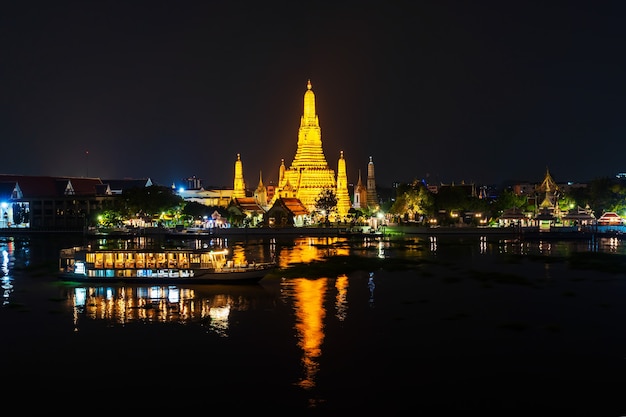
[295, 206]
[611, 217]
[42, 186]
[248, 204]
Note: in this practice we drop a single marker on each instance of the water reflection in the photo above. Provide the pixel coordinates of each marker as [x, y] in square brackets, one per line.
[307, 297]
[381, 249]
[341, 300]
[433, 244]
[371, 285]
[7, 250]
[7, 289]
[613, 244]
[316, 313]
[308, 249]
[483, 245]
[119, 305]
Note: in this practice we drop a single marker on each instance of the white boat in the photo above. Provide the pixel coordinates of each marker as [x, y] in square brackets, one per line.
[156, 265]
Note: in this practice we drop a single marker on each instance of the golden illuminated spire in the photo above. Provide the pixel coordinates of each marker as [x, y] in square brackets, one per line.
[309, 153]
[550, 189]
[309, 173]
[260, 194]
[309, 116]
[239, 189]
[343, 197]
[281, 171]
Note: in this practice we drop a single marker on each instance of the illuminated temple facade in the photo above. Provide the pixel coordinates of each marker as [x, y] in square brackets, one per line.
[309, 173]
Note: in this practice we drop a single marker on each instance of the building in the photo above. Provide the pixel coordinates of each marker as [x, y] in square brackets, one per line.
[117, 186]
[372, 195]
[245, 211]
[211, 198]
[309, 173]
[360, 194]
[287, 212]
[194, 190]
[239, 186]
[51, 203]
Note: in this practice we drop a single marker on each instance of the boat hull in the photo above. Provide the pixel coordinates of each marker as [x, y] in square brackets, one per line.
[247, 275]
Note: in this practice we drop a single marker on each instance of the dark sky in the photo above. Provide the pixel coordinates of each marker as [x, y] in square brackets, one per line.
[449, 91]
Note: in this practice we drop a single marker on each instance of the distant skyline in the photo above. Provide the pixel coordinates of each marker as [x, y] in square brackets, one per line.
[448, 91]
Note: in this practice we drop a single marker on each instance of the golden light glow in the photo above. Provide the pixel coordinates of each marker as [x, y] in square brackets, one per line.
[311, 249]
[308, 296]
[341, 300]
[155, 304]
[309, 173]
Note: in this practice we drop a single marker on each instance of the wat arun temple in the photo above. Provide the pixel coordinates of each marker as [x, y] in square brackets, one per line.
[309, 173]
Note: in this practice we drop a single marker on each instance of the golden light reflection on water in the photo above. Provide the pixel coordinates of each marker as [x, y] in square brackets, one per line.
[613, 244]
[341, 300]
[239, 255]
[155, 304]
[308, 297]
[311, 249]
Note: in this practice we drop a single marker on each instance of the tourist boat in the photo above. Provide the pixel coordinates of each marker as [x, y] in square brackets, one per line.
[157, 265]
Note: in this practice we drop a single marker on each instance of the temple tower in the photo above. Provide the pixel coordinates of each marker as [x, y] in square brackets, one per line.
[239, 189]
[550, 191]
[343, 197]
[372, 195]
[360, 194]
[309, 173]
[260, 194]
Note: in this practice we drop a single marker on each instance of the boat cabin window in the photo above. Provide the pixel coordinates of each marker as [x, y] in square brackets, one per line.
[183, 260]
[151, 260]
[108, 260]
[140, 260]
[129, 261]
[119, 260]
[194, 258]
[172, 260]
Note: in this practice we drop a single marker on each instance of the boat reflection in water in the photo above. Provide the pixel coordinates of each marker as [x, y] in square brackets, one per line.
[119, 305]
[7, 259]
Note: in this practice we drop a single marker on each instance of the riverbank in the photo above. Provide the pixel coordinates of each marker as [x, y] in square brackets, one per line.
[557, 232]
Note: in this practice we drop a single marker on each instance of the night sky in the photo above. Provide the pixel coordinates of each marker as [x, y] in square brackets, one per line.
[446, 91]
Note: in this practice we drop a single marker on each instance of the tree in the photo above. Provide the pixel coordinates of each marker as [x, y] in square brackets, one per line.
[152, 200]
[196, 211]
[508, 200]
[601, 195]
[110, 218]
[326, 202]
[413, 201]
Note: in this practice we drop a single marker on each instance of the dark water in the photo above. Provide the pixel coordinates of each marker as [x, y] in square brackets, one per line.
[482, 325]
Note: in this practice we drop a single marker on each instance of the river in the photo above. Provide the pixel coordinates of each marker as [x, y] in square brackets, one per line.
[480, 324]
